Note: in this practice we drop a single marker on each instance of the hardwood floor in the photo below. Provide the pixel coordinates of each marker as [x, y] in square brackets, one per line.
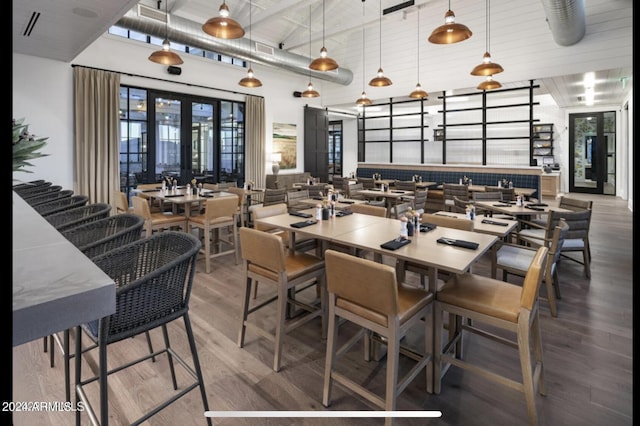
[588, 356]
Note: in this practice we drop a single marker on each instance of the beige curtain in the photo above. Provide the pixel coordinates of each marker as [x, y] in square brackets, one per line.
[255, 150]
[96, 133]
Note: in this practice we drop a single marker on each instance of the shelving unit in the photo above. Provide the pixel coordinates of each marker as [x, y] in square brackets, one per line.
[393, 123]
[542, 144]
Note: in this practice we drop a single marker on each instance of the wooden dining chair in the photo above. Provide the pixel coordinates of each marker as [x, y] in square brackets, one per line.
[366, 293]
[220, 214]
[515, 259]
[451, 190]
[491, 306]
[294, 197]
[266, 261]
[157, 221]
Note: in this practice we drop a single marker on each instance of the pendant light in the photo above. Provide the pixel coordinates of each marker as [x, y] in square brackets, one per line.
[310, 92]
[489, 84]
[450, 32]
[222, 26]
[380, 80]
[418, 93]
[324, 62]
[487, 67]
[250, 80]
[363, 99]
[165, 56]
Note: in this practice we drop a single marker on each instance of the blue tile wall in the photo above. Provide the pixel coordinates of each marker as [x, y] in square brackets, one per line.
[478, 178]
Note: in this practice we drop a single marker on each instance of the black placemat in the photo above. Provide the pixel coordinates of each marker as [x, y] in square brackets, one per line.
[538, 209]
[501, 205]
[398, 192]
[151, 190]
[300, 214]
[458, 243]
[343, 213]
[395, 244]
[304, 223]
[494, 222]
[347, 202]
[173, 195]
[426, 227]
[538, 205]
[207, 195]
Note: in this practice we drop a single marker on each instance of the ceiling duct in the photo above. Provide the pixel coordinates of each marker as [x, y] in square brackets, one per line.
[566, 19]
[184, 31]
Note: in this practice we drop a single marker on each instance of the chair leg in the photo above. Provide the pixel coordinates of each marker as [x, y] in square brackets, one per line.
[196, 363]
[393, 355]
[548, 281]
[556, 283]
[527, 372]
[51, 353]
[165, 335]
[438, 328]
[332, 341]
[245, 311]
[207, 249]
[153, 358]
[280, 326]
[67, 360]
[586, 258]
[78, 368]
[104, 389]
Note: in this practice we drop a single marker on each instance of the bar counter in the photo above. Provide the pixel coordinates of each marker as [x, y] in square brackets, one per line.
[55, 286]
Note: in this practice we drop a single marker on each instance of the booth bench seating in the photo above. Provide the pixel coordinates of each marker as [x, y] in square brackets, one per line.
[286, 180]
[435, 197]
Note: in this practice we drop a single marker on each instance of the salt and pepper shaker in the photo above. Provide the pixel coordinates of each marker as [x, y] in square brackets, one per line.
[318, 212]
[404, 231]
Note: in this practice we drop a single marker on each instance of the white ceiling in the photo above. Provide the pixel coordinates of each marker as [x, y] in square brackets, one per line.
[521, 41]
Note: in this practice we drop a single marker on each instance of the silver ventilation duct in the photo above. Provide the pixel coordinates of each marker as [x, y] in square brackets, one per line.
[190, 33]
[566, 20]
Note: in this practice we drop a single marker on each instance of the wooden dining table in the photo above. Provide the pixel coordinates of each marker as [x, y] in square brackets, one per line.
[343, 204]
[501, 228]
[368, 233]
[180, 197]
[390, 196]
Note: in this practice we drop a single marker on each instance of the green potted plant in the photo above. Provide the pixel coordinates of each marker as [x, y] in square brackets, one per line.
[26, 146]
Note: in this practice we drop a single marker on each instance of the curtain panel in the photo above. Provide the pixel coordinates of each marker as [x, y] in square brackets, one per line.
[96, 133]
[255, 150]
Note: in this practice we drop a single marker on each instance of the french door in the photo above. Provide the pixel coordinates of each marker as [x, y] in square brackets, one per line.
[592, 148]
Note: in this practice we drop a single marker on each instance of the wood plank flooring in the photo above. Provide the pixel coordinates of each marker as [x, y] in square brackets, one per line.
[588, 355]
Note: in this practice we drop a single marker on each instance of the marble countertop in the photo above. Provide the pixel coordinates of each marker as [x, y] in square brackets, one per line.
[55, 286]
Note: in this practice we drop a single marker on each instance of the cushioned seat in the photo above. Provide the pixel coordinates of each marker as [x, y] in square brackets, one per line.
[491, 305]
[367, 294]
[266, 261]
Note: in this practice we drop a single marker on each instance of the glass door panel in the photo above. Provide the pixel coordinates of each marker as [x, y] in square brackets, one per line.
[168, 147]
[592, 141]
[202, 149]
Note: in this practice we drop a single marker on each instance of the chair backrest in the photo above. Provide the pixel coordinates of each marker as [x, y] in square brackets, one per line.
[370, 285]
[560, 233]
[354, 191]
[369, 209]
[274, 196]
[533, 278]
[579, 223]
[211, 186]
[267, 211]
[32, 187]
[405, 185]
[262, 250]
[145, 186]
[449, 190]
[78, 216]
[227, 185]
[420, 199]
[508, 194]
[487, 195]
[61, 204]
[367, 182]
[240, 193]
[100, 236]
[574, 204]
[340, 183]
[162, 267]
[120, 202]
[221, 207]
[294, 196]
[448, 222]
[460, 205]
[40, 191]
[141, 207]
[48, 197]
